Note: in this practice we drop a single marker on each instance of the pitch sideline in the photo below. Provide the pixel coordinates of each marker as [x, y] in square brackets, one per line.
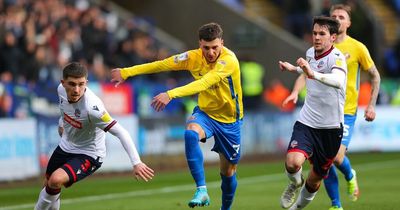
[188, 187]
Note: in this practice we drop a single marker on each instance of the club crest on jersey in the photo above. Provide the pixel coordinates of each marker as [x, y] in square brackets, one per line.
[294, 144]
[222, 62]
[320, 64]
[77, 113]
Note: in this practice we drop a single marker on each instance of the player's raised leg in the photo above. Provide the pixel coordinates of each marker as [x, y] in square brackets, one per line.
[50, 194]
[293, 168]
[194, 158]
[308, 191]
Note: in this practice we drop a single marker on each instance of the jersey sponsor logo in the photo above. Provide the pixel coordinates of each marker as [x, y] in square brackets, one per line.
[77, 113]
[74, 123]
[106, 117]
[181, 57]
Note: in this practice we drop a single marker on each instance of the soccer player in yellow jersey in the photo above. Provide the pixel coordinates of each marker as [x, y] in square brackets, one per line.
[357, 58]
[219, 112]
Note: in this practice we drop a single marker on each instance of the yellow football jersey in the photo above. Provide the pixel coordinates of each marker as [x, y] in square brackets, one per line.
[218, 84]
[357, 58]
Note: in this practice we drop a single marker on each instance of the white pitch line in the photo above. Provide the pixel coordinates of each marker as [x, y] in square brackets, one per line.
[215, 184]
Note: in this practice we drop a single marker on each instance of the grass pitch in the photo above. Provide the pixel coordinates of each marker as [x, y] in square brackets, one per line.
[259, 187]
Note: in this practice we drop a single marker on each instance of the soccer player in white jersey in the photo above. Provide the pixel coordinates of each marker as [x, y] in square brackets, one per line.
[357, 58]
[82, 127]
[319, 129]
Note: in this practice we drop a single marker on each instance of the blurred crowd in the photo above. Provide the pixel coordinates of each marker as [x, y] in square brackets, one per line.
[38, 37]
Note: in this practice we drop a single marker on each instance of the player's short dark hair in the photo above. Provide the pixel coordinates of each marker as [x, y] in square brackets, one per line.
[74, 69]
[331, 23]
[344, 7]
[210, 31]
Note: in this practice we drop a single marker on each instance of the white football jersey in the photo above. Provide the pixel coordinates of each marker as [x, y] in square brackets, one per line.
[85, 123]
[324, 105]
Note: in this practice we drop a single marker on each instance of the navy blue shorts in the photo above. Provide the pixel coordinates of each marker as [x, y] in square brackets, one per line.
[77, 166]
[319, 146]
[226, 135]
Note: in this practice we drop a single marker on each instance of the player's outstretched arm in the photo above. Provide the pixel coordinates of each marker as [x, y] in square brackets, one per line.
[286, 66]
[160, 101]
[298, 86]
[142, 171]
[305, 67]
[116, 77]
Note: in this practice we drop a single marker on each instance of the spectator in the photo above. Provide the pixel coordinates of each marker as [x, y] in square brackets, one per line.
[38, 37]
[252, 83]
[10, 54]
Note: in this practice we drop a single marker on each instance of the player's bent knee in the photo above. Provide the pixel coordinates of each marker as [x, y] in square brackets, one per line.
[339, 159]
[293, 166]
[55, 183]
[229, 171]
[58, 179]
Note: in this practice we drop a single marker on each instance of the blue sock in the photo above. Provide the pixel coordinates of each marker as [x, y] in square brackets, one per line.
[345, 168]
[194, 157]
[228, 187]
[332, 187]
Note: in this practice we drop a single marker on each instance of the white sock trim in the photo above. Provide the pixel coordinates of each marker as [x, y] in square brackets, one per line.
[295, 177]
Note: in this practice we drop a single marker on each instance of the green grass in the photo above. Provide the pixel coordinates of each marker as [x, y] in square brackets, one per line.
[260, 186]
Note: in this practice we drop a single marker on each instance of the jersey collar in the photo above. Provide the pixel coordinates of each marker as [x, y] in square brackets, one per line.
[323, 54]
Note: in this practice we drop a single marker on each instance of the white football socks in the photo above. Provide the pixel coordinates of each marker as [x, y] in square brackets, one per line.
[304, 198]
[46, 200]
[56, 204]
[295, 177]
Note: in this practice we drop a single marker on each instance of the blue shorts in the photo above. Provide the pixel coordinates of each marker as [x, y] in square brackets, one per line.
[77, 166]
[226, 135]
[349, 122]
[319, 146]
